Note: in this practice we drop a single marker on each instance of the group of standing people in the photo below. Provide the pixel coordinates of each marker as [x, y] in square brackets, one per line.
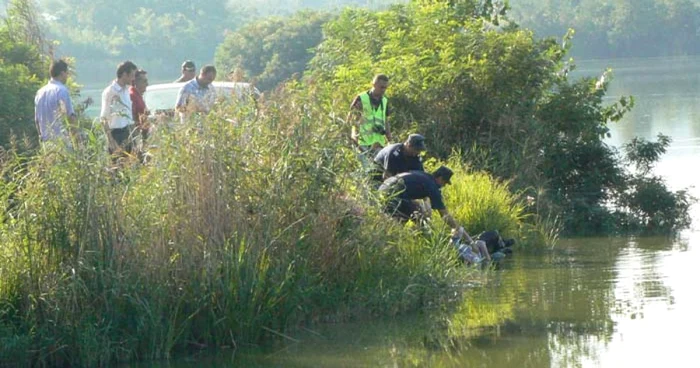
[397, 168]
[123, 114]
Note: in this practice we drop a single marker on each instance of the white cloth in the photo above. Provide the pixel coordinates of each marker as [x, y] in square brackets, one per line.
[116, 106]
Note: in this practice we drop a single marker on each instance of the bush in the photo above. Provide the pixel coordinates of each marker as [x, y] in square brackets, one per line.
[272, 50]
[233, 233]
[494, 92]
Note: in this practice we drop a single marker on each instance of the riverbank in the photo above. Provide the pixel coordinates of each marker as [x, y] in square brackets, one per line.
[232, 234]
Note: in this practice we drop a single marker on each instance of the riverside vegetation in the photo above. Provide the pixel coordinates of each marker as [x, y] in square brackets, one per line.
[237, 232]
[231, 235]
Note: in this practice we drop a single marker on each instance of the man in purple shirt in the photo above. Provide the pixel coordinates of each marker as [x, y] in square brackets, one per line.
[52, 106]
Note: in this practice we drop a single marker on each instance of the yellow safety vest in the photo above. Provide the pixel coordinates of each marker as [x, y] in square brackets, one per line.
[372, 120]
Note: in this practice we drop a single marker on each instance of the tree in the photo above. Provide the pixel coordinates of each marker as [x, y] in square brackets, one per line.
[494, 92]
[158, 35]
[22, 70]
[272, 50]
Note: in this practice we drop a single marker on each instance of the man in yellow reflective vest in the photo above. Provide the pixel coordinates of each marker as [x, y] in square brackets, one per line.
[368, 114]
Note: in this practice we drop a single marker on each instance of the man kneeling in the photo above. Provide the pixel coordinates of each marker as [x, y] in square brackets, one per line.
[403, 190]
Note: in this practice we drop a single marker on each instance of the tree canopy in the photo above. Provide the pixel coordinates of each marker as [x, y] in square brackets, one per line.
[271, 50]
[492, 91]
[616, 28]
[22, 71]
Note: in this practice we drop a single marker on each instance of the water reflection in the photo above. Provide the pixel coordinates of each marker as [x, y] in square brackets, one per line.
[582, 305]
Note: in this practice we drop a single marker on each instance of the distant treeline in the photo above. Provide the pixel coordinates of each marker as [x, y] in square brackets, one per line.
[156, 34]
[616, 28]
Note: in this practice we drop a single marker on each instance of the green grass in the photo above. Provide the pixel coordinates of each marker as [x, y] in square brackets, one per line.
[232, 235]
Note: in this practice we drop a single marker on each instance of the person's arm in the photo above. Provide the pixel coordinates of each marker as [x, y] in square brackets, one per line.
[449, 220]
[457, 231]
[355, 119]
[389, 166]
[387, 125]
[70, 113]
[483, 250]
[181, 102]
[106, 116]
[36, 115]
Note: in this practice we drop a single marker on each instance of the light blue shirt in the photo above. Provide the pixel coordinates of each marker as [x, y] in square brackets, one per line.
[51, 105]
[196, 97]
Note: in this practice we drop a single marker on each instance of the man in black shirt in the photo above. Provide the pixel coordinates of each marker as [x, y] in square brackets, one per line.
[401, 192]
[398, 158]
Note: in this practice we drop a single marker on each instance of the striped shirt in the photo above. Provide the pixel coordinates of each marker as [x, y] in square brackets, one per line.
[51, 105]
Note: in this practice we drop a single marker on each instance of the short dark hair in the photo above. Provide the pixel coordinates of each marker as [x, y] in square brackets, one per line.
[139, 73]
[208, 69]
[380, 77]
[125, 68]
[57, 67]
[443, 172]
[188, 65]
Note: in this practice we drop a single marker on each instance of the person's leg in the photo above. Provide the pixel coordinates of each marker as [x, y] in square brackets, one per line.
[120, 136]
[480, 246]
[406, 209]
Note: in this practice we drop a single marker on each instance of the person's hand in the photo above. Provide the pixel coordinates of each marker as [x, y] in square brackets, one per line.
[461, 233]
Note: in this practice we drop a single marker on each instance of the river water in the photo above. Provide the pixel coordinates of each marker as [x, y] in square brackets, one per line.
[591, 302]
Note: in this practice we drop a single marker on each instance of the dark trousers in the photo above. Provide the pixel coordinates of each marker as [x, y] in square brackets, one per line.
[399, 208]
[123, 138]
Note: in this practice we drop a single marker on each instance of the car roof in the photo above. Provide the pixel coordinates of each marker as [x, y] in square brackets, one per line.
[216, 84]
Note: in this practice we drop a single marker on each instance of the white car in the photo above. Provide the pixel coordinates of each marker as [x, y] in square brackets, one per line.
[161, 98]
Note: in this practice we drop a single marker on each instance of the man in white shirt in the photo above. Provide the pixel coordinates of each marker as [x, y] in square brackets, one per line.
[116, 115]
[53, 106]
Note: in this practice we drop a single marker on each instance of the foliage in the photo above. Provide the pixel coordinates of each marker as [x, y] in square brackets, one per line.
[232, 234]
[157, 35]
[496, 93]
[644, 154]
[22, 70]
[648, 204]
[619, 28]
[477, 199]
[271, 50]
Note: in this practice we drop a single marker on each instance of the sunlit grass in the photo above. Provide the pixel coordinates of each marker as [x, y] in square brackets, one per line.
[232, 234]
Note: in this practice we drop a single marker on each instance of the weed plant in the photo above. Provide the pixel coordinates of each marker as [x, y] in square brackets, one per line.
[244, 224]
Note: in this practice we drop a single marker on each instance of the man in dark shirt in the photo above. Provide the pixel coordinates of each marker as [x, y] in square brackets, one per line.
[188, 72]
[398, 158]
[401, 192]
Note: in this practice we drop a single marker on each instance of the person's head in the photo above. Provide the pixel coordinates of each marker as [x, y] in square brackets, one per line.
[140, 81]
[206, 75]
[379, 85]
[188, 70]
[59, 70]
[414, 145]
[126, 72]
[442, 176]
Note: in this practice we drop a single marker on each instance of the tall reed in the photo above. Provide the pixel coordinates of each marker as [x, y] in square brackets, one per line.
[243, 224]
